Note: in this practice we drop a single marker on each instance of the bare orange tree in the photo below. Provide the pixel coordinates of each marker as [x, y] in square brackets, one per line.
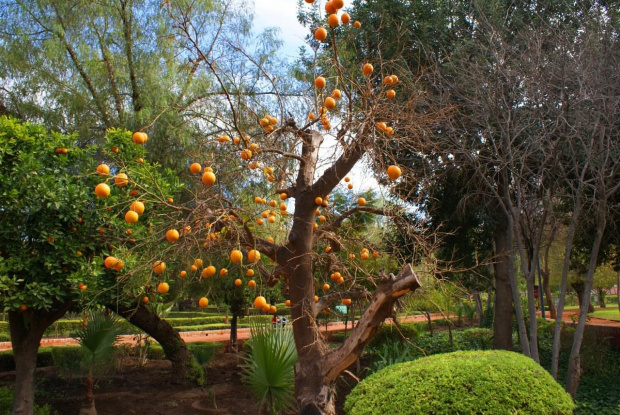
[306, 160]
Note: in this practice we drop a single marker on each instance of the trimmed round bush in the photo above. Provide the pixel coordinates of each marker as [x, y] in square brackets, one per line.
[472, 382]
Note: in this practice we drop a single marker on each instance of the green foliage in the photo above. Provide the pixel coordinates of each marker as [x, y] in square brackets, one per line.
[478, 339]
[6, 402]
[607, 314]
[268, 368]
[68, 358]
[98, 338]
[390, 334]
[461, 383]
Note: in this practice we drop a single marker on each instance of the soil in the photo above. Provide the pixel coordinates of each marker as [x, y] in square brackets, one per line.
[131, 390]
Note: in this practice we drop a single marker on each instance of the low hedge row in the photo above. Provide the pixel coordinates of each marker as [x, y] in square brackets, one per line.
[69, 357]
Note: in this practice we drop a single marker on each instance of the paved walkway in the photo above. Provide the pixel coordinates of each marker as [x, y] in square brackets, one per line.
[215, 335]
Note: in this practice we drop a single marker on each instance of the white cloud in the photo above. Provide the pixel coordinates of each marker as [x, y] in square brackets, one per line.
[283, 15]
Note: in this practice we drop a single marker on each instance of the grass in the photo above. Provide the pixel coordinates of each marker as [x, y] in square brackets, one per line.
[607, 314]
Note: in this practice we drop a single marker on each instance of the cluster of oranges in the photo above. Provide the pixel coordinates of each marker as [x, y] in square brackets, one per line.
[268, 123]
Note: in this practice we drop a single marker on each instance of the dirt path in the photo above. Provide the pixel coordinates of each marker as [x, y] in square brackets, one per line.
[221, 336]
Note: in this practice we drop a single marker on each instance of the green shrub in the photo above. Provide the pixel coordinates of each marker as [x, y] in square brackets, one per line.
[6, 400]
[480, 382]
[67, 358]
[476, 339]
[203, 352]
[5, 337]
[390, 333]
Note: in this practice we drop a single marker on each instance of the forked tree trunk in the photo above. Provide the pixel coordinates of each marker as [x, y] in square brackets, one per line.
[503, 310]
[171, 342]
[27, 329]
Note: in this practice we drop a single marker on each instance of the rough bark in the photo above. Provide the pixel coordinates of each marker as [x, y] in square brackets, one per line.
[503, 310]
[89, 406]
[174, 347]
[26, 332]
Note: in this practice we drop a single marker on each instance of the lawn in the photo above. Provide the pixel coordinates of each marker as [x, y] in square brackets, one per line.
[607, 314]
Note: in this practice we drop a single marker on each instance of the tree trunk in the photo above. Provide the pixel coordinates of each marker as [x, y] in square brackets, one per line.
[430, 323]
[503, 310]
[89, 405]
[27, 329]
[548, 296]
[618, 292]
[174, 347]
[314, 397]
[479, 309]
[234, 347]
[579, 288]
[573, 374]
[601, 297]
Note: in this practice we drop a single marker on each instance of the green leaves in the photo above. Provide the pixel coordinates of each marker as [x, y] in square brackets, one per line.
[98, 338]
[269, 367]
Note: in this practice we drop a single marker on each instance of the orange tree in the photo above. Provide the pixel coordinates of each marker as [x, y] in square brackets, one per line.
[350, 116]
[48, 238]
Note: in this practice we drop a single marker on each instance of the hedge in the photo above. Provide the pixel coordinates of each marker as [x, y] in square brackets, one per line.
[472, 382]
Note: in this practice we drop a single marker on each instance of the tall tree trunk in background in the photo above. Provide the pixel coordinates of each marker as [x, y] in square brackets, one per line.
[479, 309]
[27, 329]
[503, 310]
[573, 374]
[601, 297]
[579, 288]
[618, 291]
[548, 296]
[174, 347]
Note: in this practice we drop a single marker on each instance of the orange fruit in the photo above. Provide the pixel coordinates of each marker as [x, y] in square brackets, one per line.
[339, 280]
[350, 186]
[394, 79]
[322, 219]
[208, 271]
[318, 200]
[333, 20]
[206, 169]
[283, 207]
[315, 226]
[357, 24]
[23, 307]
[320, 82]
[260, 302]
[172, 235]
[208, 178]
[258, 200]
[325, 287]
[375, 254]
[283, 196]
[223, 138]
[102, 190]
[269, 239]
[134, 192]
[316, 299]
[131, 216]
[390, 94]
[328, 248]
[193, 268]
[137, 207]
[287, 303]
[103, 170]
[236, 256]
[346, 301]
[140, 160]
[272, 309]
[249, 273]
[309, 1]
[121, 180]
[223, 272]
[311, 116]
[329, 7]
[367, 69]
[159, 267]
[273, 203]
[254, 255]
[203, 302]
[183, 274]
[345, 18]
[320, 34]
[336, 94]
[260, 221]
[110, 262]
[394, 172]
[238, 282]
[170, 200]
[139, 137]
[195, 168]
[338, 4]
[252, 284]
[246, 154]
[163, 288]
[145, 299]
[365, 256]
[347, 179]
[114, 149]
[361, 201]
[271, 219]
[330, 103]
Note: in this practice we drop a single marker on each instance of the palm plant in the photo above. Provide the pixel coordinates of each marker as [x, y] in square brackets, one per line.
[268, 368]
[97, 341]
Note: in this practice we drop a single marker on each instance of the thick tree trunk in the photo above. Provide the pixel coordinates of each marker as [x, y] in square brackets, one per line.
[503, 310]
[27, 329]
[314, 397]
[548, 296]
[234, 347]
[579, 288]
[174, 347]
